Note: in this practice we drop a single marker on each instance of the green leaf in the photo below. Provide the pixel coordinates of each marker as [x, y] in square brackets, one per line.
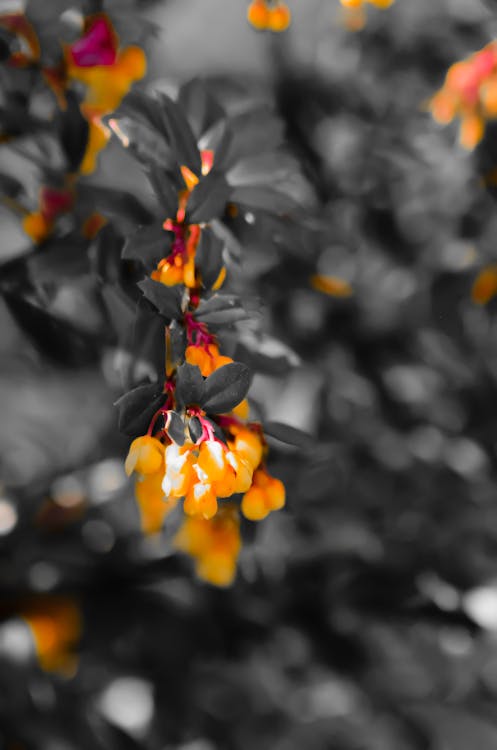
[175, 427]
[288, 434]
[225, 388]
[167, 299]
[209, 257]
[149, 244]
[189, 384]
[137, 407]
[208, 199]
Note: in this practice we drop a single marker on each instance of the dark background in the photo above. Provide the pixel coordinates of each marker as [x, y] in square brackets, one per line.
[364, 615]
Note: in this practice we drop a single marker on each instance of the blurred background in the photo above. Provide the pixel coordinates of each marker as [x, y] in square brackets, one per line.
[364, 615]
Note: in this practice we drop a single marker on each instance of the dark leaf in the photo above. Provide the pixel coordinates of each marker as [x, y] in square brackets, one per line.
[200, 107]
[114, 203]
[73, 132]
[230, 241]
[288, 434]
[59, 340]
[258, 131]
[225, 388]
[137, 407]
[146, 341]
[180, 136]
[166, 184]
[10, 186]
[175, 427]
[105, 253]
[177, 342]
[146, 143]
[120, 310]
[62, 259]
[208, 199]
[195, 429]
[264, 198]
[143, 108]
[262, 170]
[221, 308]
[167, 299]
[218, 139]
[149, 244]
[209, 257]
[189, 384]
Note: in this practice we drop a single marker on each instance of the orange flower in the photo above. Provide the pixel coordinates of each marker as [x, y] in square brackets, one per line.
[107, 73]
[470, 93]
[179, 266]
[266, 494]
[18, 24]
[263, 15]
[485, 286]
[355, 15]
[53, 202]
[201, 500]
[146, 456]
[154, 507]
[179, 474]
[207, 358]
[214, 544]
[248, 445]
[56, 625]
[331, 285]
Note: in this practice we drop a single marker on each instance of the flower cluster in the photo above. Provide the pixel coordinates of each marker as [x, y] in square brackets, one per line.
[195, 449]
[469, 93]
[203, 460]
[179, 266]
[107, 73]
[271, 15]
[94, 71]
[355, 10]
[226, 459]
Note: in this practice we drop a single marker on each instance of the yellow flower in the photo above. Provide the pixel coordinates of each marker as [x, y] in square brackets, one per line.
[146, 456]
[154, 506]
[214, 544]
[266, 494]
[56, 625]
